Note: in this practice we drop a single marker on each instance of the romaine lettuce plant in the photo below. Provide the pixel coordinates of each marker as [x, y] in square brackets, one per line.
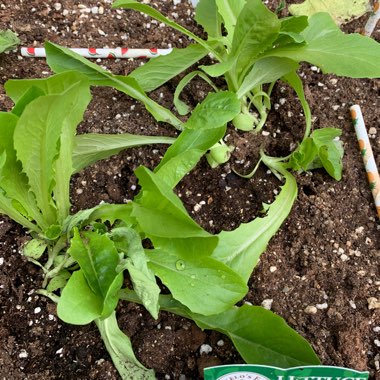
[253, 49]
[205, 274]
[39, 152]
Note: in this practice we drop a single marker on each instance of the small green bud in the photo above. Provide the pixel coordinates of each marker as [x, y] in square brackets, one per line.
[244, 121]
[219, 154]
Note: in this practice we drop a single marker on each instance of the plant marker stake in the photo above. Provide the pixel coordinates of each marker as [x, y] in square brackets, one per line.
[373, 19]
[367, 154]
[119, 52]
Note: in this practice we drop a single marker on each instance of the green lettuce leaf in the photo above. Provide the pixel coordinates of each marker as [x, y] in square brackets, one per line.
[206, 15]
[120, 349]
[43, 142]
[256, 29]
[266, 70]
[165, 221]
[215, 111]
[61, 59]
[326, 46]
[8, 40]
[144, 283]
[204, 285]
[92, 291]
[92, 147]
[159, 70]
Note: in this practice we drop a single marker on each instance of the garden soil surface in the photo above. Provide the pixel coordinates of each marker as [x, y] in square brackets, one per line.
[320, 272]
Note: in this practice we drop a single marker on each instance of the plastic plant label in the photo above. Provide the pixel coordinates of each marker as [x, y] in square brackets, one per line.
[261, 372]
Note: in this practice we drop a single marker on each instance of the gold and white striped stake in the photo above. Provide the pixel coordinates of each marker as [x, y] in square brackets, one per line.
[367, 154]
[373, 19]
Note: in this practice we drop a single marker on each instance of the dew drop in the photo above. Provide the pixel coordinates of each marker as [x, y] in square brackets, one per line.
[193, 276]
[180, 265]
[192, 284]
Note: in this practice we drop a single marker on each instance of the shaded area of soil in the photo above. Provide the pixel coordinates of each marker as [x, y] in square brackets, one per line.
[326, 255]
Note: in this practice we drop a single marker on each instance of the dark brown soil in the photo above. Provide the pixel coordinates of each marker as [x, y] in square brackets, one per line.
[326, 255]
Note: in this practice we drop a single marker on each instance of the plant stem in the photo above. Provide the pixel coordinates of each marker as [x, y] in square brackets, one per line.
[54, 251]
[66, 262]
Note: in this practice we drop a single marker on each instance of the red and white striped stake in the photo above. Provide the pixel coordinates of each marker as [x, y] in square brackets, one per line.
[119, 52]
[367, 154]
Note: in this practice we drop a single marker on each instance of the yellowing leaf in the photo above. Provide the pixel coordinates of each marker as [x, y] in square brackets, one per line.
[340, 10]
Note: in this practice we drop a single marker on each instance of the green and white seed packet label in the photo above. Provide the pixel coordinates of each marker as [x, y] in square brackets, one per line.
[261, 372]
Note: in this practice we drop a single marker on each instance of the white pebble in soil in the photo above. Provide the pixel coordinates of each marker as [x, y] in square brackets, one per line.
[373, 303]
[197, 207]
[372, 131]
[377, 362]
[205, 349]
[344, 257]
[23, 354]
[352, 304]
[267, 303]
[311, 309]
[220, 343]
[322, 306]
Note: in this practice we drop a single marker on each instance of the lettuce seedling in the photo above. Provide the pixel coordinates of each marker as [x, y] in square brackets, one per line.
[255, 48]
[39, 152]
[205, 274]
[36, 150]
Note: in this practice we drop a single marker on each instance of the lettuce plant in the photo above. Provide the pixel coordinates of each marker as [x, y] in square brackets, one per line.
[254, 49]
[39, 152]
[205, 274]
